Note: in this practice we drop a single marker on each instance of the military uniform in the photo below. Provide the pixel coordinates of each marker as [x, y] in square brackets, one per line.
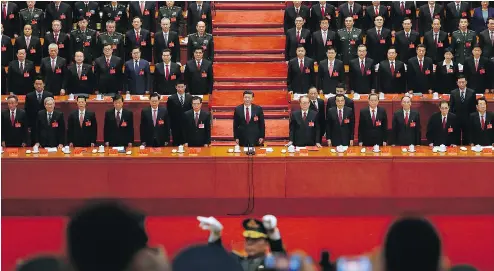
[35, 18]
[206, 42]
[174, 14]
[90, 12]
[347, 44]
[85, 42]
[462, 44]
[116, 40]
[118, 14]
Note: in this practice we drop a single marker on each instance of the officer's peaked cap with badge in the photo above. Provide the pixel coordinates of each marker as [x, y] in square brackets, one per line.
[254, 229]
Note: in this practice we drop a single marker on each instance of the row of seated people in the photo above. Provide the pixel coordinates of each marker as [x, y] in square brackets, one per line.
[467, 123]
[15, 15]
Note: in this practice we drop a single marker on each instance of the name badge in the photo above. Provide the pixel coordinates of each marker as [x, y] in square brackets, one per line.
[11, 16]
[398, 75]
[88, 123]
[427, 72]
[482, 71]
[201, 126]
[143, 43]
[346, 121]
[54, 124]
[87, 44]
[141, 72]
[146, 12]
[329, 42]
[173, 19]
[463, 14]
[117, 18]
[124, 124]
[173, 77]
[450, 70]
[368, 72]
[412, 124]
[307, 70]
[302, 40]
[88, 13]
[112, 71]
[203, 16]
[4, 48]
[489, 126]
[335, 74]
[61, 46]
[450, 130]
[382, 41]
[204, 75]
[355, 17]
[256, 118]
[62, 16]
[408, 12]
[18, 125]
[113, 46]
[84, 78]
[26, 75]
[411, 46]
[311, 124]
[468, 44]
[161, 122]
[58, 70]
[33, 21]
[352, 42]
[32, 51]
[378, 123]
[436, 16]
[440, 45]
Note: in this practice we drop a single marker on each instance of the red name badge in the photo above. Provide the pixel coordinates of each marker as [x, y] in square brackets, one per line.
[61, 46]
[307, 70]
[84, 78]
[368, 72]
[112, 71]
[161, 122]
[382, 41]
[204, 47]
[114, 46]
[408, 12]
[88, 13]
[468, 44]
[26, 75]
[173, 77]
[398, 75]
[256, 118]
[450, 70]
[32, 51]
[146, 12]
[88, 123]
[171, 44]
[173, 19]
[450, 130]
[329, 42]
[112, 151]
[124, 124]
[18, 125]
[201, 126]
[87, 43]
[117, 18]
[411, 46]
[54, 124]
[378, 123]
[203, 16]
[352, 42]
[412, 124]
[141, 72]
[335, 73]
[328, 16]
[489, 126]
[33, 21]
[355, 17]
[58, 70]
[311, 124]
[4, 48]
[346, 121]
[204, 75]
[427, 72]
[11, 16]
[440, 45]
[62, 16]
[143, 43]
[302, 40]
[482, 71]
[463, 14]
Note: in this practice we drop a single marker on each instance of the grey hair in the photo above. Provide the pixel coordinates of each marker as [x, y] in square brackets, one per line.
[164, 19]
[52, 46]
[49, 99]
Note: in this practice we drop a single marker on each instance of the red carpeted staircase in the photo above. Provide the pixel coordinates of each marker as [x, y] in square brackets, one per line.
[249, 55]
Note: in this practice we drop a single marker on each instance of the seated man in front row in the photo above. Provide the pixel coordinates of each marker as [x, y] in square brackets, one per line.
[119, 124]
[248, 122]
[304, 126]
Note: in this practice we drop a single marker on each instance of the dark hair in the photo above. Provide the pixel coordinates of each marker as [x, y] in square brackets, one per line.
[78, 51]
[421, 46]
[81, 18]
[20, 49]
[476, 46]
[374, 94]
[248, 92]
[392, 48]
[406, 18]
[118, 97]
[339, 95]
[136, 47]
[448, 50]
[13, 96]
[137, 17]
[82, 97]
[490, 18]
[461, 76]
[463, 19]
[341, 85]
[477, 102]
[166, 51]
[195, 98]
[323, 19]
[443, 102]
[331, 48]
[379, 16]
[39, 78]
[180, 81]
[300, 46]
[198, 48]
[108, 44]
[154, 94]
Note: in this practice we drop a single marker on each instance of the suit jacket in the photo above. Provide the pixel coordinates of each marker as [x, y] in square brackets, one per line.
[14, 135]
[63, 14]
[148, 17]
[109, 78]
[248, 134]
[362, 83]
[478, 24]
[291, 14]
[357, 14]
[155, 134]
[486, 44]
[7, 51]
[299, 81]
[319, 48]
[397, 15]
[194, 16]
[163, 84]
[405, 134]
[63, 44]
[437, 135]
[82, 136]
[177, 117]
[33, 52]
[316, 16]
[406, 47]
[173, 44]
[200, 134]
[21, 82]
[445, 78]
[340, 133]
[144, 43]
[425, 17]
[199, 81]
[122, 133]
[436, 51]
[291, 42]
[55, 80]
[90, 12]
[462, 110]
[304, 132]
[370, 14]
[479, 79]
[138, 81]
[420, 80]
[321, 115]
[329, 82]
[453, 16]
[378, 46]
[85, 84]
[372, 134]
[50, 134]
[32, 107]
[391, 83]
[482, 137]
[11, 23]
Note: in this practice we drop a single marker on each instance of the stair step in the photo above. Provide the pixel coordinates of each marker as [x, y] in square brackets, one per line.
[267, 114]
[248, 18]
[249, 57]
[276, 129]
[248, 31]
[250, 6]
[253, 45]
[228, 99]
[258, 85]
[249, 71]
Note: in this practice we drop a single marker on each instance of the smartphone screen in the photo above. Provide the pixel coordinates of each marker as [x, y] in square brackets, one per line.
[354, 264]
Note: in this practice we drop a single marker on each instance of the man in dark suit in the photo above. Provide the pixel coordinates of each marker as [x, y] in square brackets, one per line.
[301, 74]
[340, 89]
[59, 38]
[340, 123]
[361, 72]
[406, 125]
[199, 11]
[406, 41]
[486, 40]
[374, 10]
[442, 128]
[146, 11]
[477, 71]
[420, 77]
[331, 72]
[481, 125]
[373, 124]
[248, 122]
[317, 105]
[427, 13]
[304, 126]
[82, 127]
[119, 124]
[462, 101]
[31, 44]
[201, 39]
[378, 40]
[50, 126]
[166, 74]
[166, 39]
[138, 38]
[57, 10]
[88, 10]
[155, 123]
[21, 74]
[108, 72]
[348, 40]
[291, 14]
[138, 74]
[177, 105]
[454, 12]
[80, 77]
[197, 125]
[353, 10]
[391, 77]
[84, 40]
[297, 36]
[14, 124]
[436, 41]
[10, 18]
[34, 104]
[321, 40]
[7, 51]
[322, 11]
[54, 71]
[401, 10]
[198, 74]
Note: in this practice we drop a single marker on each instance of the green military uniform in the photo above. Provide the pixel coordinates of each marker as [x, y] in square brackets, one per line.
[84, 41]
[462, 44]
[205, 41]
[33, 17]
[118, 14]
[116, 40]
[174, 14]
[347, 44]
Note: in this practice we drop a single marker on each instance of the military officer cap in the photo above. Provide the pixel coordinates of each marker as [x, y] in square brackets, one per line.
[254, 229]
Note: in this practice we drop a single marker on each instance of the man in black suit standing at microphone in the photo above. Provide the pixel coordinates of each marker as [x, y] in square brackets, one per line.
[248, 122]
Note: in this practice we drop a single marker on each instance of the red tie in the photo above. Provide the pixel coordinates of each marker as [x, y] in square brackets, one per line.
[301, 66]
[167, 72]
[373, 118]
[56, 37]
[482, 122]
[402, 7]
[322, 11]
[198, 65]
[304, 116]
[196, 119]
[154, 117]
[298, 36]
[4, 11]
[406, 118]
[476, 65]
[378, 34]
[444, 122]
[362, 67]
[247, 115]
[12, 118]
[137, 36]
[420, 65]
[392, 69]
[351, 10]
[107, 62]
[340, 116]
[377, 11]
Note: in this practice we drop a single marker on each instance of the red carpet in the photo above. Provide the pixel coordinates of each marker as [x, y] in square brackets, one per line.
[467, 239]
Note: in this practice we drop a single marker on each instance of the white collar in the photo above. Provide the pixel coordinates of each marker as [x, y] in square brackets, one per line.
[298, 30]
[116, 111]
[360, 60]
[137, 30]
[136, 60]
[197, 113]
[379, 29]
[305, 111]
[464, 90]
[49, 113]
[15, 111]
[370, 109]
[53, 59]
[418, 59]
[445, 64]
[83, 112]
[482, 115]
[408, 32]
